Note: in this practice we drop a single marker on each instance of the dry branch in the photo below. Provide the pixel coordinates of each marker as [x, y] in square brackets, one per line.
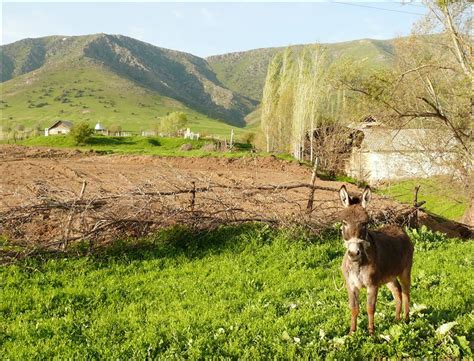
[57, 218]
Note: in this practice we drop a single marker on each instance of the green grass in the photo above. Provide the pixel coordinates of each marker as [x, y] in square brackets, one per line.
[239, 292]
[135, 145]
[442, 197]
[168, 147]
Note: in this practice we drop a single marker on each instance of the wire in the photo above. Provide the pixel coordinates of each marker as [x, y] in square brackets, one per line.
[374, 7]
[411, 3]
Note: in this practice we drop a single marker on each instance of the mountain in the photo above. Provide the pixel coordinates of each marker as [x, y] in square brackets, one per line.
[118, 80]
[110, 77]
[245, 72]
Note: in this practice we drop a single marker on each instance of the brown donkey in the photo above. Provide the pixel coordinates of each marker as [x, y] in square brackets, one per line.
[373, 258]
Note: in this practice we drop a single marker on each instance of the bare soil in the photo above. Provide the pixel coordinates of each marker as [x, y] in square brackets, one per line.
[24, 169]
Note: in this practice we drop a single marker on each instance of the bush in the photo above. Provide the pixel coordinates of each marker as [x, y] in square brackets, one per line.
[248, 138]
[81, 133]
[173, 122]
[186, 147]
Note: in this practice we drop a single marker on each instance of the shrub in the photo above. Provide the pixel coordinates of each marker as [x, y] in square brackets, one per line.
[186, 147]
[81, 133]
[248, 138]
[173, 122]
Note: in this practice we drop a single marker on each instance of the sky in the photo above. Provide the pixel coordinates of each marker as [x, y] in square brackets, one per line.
[212, 28]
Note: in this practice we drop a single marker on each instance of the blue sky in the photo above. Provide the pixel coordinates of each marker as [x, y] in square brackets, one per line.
[213, 28]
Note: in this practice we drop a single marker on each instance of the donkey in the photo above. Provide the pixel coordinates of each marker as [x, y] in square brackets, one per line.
[373, 258]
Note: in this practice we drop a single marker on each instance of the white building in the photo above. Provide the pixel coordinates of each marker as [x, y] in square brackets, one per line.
[100, 129]
[190, 135]
[60, 127]
[390, 154]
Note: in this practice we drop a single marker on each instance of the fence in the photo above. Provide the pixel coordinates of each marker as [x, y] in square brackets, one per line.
[56, 218]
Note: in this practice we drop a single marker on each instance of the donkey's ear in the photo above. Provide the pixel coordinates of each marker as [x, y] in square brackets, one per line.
[344, 196]
[366, 196]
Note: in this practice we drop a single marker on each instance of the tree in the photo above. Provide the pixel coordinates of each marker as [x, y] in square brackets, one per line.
[115, 128]
[173, 122]
[297, 99]
[270, 100]
[81, 133]
[431, 83]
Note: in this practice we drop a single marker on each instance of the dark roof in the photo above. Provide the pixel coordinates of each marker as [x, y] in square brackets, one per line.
[67, 123]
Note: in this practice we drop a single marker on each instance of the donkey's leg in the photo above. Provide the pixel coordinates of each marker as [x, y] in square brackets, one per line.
[405, 280]
[396, 290]
[371, 300]
[354, 306]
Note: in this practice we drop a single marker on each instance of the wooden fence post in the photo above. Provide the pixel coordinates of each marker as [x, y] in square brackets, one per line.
[416, 206]
[309, 207]
[193, 195]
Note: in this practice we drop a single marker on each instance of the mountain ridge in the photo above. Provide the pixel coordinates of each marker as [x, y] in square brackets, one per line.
[46, 78]
[244, 72]
[177, 75]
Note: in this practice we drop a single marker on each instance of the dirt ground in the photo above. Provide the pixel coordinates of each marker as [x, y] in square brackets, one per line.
[24, 169]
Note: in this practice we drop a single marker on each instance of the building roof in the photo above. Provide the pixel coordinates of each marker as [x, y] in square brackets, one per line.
[98, 126]
[66, 123]
[378, 139]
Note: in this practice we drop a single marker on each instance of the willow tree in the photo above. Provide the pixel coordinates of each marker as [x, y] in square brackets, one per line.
[296, 99]
[310, 96]
[270, 100]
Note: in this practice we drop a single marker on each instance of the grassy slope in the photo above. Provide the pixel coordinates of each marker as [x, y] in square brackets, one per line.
[93, 94]
[441, 199]
[245, 72]
[238, 292]
[169, 73]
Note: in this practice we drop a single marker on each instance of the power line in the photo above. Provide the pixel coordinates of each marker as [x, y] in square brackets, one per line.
[374, 7]
[418, 5]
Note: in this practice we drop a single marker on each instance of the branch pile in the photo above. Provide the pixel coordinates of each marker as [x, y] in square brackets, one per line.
[56, 218]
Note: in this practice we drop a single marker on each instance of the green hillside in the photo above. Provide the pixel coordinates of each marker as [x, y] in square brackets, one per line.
[155, 71]
[245, 72]
[93, 94]
[118, 80]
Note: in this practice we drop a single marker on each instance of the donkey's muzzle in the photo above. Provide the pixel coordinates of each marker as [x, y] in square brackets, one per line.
[354, 255]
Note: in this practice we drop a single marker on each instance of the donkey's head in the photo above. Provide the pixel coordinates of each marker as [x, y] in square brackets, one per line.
[354, 223]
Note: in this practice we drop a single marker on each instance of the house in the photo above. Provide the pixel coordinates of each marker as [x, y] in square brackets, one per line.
[190, 135]
[99, 129]
[383, 154]
[60, 127]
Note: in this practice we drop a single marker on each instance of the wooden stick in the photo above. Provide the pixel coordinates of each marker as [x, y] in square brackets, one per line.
[415, 205]
[71, 215]
[309, 207]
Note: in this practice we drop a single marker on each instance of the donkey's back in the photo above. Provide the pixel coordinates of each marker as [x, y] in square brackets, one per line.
[393, 252]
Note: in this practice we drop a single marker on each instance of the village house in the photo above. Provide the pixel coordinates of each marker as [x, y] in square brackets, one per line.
[190, 135]
[384, 154]
[60, 127]
[99, 129]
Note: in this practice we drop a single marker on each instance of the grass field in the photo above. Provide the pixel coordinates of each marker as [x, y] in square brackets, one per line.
[242, 292]
[93, 94]
[137, 145]
[442, 197]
